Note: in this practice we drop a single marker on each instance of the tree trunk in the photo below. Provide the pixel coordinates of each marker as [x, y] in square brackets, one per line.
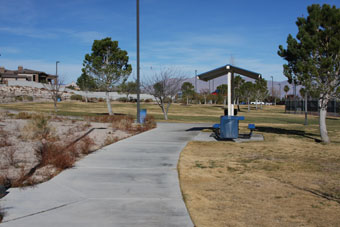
[225, 101]
[306, 111]
[55, 104]
[205, 100]
[164, 111]
[187, 100]
[256, 104]
[86, 99]
[248, 105]
[322, 121]
[108, 103]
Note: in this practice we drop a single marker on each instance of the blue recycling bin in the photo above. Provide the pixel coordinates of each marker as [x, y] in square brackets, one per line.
[229, 127]
[142, 115]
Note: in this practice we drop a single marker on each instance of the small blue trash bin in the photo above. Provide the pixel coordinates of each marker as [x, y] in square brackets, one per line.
[59, 99]
[142, 116]
[229, 127]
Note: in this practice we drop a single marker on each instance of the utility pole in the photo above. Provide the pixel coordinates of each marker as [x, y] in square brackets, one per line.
[138, 68]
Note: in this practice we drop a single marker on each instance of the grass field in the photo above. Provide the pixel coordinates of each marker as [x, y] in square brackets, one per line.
[290, 179]
[177, 112]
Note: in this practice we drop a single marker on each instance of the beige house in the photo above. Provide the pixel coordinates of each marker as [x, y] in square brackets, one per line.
[25, 75]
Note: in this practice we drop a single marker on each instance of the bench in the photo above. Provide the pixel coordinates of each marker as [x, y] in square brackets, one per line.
[252, 128]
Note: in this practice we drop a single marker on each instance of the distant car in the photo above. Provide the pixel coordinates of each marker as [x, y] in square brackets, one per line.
[258, 103]
[269, 103]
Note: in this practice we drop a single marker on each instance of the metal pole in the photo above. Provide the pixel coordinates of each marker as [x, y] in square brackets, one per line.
[56, 67]
[196, 81]
[272, 88]
[294, 91]
[56, 71]
[229, 95]
[138, 79]
[280, 91]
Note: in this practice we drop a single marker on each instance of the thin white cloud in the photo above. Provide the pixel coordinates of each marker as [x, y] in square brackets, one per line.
[87, 36]
[83, 36]
[22, 12]
[29, 32]
[9, 50]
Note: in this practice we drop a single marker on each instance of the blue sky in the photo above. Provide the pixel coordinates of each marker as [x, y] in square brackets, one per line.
[187, 35]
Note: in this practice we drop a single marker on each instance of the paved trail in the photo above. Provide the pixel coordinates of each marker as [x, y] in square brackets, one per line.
[130, 183]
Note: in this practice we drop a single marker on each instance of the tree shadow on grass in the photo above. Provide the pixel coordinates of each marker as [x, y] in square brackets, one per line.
[288, 132]
[107, 114]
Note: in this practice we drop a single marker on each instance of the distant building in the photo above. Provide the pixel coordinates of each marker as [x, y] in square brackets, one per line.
[25, 75]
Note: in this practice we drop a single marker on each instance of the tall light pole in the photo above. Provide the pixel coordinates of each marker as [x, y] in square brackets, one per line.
[56, 67]
[273, 87]
[280, 91]
[196, 81]
[138, 79]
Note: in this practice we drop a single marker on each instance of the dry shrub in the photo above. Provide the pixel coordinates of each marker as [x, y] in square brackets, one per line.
[149, 123]
[2, 214]
[24, 115]
[85, 145]
[38, 128]
[4, 142]
[123, 123]
[110, 139]
[8, 154]
[49, 153]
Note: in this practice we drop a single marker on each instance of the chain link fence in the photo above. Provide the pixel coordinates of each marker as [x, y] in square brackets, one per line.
[298, 106]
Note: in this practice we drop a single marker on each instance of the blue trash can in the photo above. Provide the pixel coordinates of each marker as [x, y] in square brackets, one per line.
[142, 116]
[229, 127]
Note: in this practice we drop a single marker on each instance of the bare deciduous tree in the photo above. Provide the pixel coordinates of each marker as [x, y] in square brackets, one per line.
[164, 86]
[55, 90]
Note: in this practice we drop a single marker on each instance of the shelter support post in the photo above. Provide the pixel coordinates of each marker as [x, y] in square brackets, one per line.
[230, 112]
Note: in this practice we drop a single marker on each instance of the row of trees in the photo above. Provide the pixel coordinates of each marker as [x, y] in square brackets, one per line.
[243, 92]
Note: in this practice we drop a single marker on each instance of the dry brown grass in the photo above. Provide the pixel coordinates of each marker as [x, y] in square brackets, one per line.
[38, 128]
[4, 141]
[110, 140]
[283, 181]
[2, 214]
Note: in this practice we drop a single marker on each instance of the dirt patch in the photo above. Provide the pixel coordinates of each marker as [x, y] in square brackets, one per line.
[283, 181]
[36, 147]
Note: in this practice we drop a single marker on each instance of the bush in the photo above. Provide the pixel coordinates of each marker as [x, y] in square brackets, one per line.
[24, 115]
[149, 122]
[101, 100]
[4, 142]
[38, 128]
[18, 98]
[29, 98]
[52, 154]
[122, 99]
[123, 123]
[76, 97]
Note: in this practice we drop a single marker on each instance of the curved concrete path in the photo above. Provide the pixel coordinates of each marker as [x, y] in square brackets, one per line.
[133, 182]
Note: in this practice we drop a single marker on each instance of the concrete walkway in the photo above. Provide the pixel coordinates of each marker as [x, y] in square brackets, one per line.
[130, 183]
